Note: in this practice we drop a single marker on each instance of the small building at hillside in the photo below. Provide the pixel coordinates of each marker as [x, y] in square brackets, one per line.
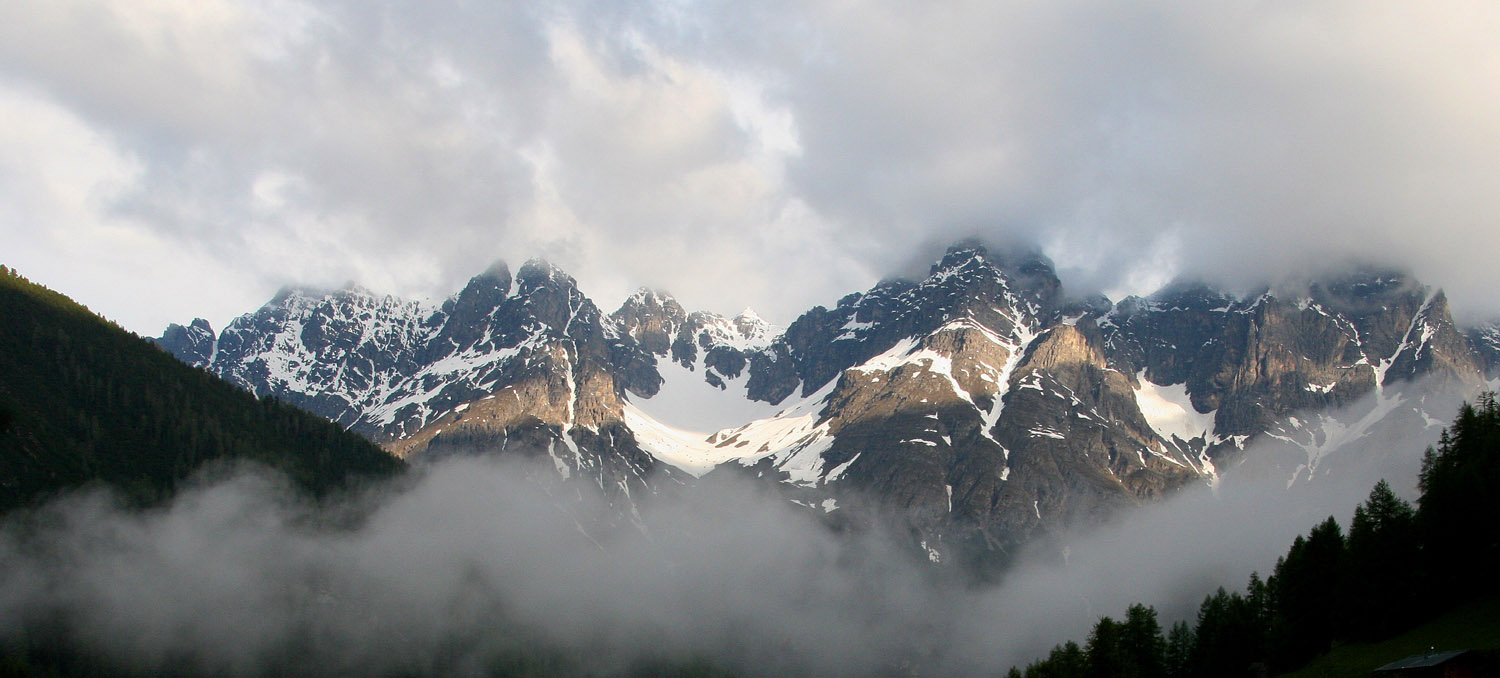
[1455, 664]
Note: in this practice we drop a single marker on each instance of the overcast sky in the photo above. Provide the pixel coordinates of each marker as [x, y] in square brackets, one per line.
[171, 158]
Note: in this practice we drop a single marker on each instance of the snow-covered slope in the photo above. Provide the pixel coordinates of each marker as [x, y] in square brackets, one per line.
[789, 432]
[689, 401]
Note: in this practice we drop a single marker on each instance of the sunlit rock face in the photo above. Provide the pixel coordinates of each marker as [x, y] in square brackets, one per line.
[525, 363]
[387, 367]
[978, 409]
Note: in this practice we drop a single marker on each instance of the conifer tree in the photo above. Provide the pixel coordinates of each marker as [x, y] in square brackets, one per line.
[1379, 588]
[1106, 652]
[1144, 648]
[1456, 514]
[1304, 587]
[1179, 650]
[1070, 661]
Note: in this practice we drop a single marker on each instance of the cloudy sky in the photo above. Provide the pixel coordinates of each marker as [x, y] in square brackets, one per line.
[161, 159]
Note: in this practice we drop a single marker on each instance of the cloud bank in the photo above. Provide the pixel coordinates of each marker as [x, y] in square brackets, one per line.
[472, 563]
[184, 158]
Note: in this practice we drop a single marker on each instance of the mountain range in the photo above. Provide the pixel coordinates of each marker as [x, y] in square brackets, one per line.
[981, 407]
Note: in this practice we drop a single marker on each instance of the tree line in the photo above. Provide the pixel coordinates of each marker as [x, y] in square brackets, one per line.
[84, 401]
[1397, 566]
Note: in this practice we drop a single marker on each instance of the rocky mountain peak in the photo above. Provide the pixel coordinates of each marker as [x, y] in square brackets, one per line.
[1364, 285]
[304, 300]
[1378, 303]
[290, 295]
[481, 296]
[645, 297]
[1024, 269]
[1434, 346]
[538, 271]
[646, 302]
[353, 288]
[652, 318]
[1191, 295]
[194, 344]
[979, 398]
[552, 297]
[497, 270]
[960, 256]
[1011, 294]
[752, 327]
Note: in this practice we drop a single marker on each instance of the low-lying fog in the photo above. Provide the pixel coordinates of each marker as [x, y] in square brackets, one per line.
[468, 564]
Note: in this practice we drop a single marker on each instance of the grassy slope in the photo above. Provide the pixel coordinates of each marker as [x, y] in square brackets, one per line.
[1472, 626]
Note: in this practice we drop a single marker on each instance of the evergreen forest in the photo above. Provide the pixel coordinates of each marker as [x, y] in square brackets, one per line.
[1395, 567]
[84, 402]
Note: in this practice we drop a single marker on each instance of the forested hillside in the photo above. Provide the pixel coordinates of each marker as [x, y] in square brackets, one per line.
[82, 400]
[1396, 567]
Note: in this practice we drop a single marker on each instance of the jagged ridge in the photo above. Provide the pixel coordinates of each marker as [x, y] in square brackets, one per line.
[981, 402]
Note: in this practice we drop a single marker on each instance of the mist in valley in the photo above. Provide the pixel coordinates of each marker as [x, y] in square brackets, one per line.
[479, 565]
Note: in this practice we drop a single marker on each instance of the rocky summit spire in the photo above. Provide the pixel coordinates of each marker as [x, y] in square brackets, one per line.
[650, 317]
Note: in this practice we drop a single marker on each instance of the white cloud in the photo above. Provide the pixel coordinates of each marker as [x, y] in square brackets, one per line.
[775, 155]
[58, 181]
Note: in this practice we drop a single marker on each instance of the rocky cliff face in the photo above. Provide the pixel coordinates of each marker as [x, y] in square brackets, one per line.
[1002, 293]
[451, 378]
[978, 407]
[1255, 363]
[968, 402]
[194, 344]
[718, 348]
[1486, 342]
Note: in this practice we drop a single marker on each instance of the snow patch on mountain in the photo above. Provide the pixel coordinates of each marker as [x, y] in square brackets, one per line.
[1169, 410]
[686, 402]
[1025, 337]
[468, 367]
[794, 439]
[754, 333]
[904, 352]
[685, 450]
[1321, 434]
